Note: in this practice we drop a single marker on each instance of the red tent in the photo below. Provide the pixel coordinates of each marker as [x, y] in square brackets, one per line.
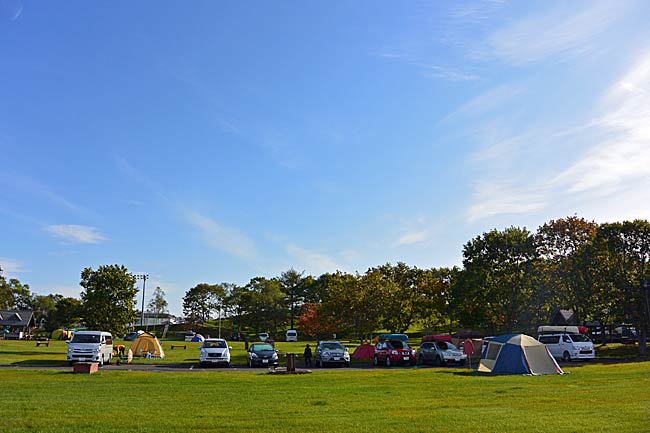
[365, 351]
[437, 337]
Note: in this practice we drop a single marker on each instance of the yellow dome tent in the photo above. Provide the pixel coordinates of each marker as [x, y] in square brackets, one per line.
[147, 346]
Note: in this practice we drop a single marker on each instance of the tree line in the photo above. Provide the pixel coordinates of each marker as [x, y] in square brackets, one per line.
[511, 280]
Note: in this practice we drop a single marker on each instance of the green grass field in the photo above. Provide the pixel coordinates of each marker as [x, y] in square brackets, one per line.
[593, 398]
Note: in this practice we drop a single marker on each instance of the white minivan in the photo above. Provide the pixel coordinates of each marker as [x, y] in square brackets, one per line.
[90, 346]
[292, 335]
[568, 346]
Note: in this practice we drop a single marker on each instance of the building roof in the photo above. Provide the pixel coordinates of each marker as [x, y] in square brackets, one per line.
[19, 318]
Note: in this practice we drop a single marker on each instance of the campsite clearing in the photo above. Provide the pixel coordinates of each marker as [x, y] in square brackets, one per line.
[453, 400]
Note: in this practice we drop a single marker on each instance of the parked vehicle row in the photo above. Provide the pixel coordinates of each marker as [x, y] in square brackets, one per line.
[97, 346]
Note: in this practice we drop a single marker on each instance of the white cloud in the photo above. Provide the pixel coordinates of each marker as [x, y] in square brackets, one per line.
[228, 239]
[76, 233]
[414, 237]
[10, 266]
[562, 32]
[313, 262]
[622, 159]
[608, 179]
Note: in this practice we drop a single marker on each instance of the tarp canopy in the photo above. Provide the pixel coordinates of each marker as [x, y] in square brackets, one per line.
[147, 346]
[198, 338]
[517, 354]
[365, 351]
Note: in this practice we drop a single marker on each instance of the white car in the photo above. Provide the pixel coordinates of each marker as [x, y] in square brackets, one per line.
[292, 335]
[263, 336]
[215, 351]
[568, 346]
[90, 346]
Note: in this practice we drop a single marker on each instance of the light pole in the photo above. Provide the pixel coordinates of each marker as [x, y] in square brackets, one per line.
[219, 319]
[142, 277]
[645, 285]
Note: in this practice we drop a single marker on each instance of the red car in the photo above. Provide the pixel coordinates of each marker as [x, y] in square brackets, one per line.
[394, 352]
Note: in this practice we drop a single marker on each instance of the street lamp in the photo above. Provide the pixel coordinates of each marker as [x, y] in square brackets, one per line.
[142, 277]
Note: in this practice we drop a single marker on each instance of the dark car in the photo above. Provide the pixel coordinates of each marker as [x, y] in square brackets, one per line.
[261, 355]
[394, 352]
[131, 336]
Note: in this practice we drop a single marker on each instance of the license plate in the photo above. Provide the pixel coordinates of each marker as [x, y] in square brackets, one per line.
[336, 359]
[406, 358]
[457, 359]
[265, 361]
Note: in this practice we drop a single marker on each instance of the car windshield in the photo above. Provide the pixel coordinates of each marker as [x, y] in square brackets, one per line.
[261, 347]
[215, 344]
[443, 345]
[579, 338]
[85, 338]
[396, 344]
[332, 346]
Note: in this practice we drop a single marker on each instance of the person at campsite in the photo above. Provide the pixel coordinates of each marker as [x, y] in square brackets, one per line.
[307, 355]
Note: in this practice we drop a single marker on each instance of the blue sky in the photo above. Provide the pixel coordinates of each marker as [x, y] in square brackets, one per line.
[217, 141]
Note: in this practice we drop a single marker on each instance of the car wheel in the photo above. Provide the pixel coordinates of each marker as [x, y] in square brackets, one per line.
[110, 359]
[420, 359]
[101, 360]
[414, 362]
[70, 363]
[388, 361]
[438, 361]
[462, 363]
[566, 356]
[346, 364]
[375, 361]
[249, 363]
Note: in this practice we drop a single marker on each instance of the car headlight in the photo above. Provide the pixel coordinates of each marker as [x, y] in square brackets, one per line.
[97, 350]
[275, 356]
[69, 350]
[253, 355]
[326, 353]
[394, 352]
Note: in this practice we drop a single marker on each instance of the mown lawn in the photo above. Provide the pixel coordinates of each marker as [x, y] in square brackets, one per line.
[593, 398]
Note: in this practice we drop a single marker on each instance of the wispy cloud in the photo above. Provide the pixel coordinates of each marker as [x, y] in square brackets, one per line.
[313, 262]
[414, 237]
[622, 159]
[10, 266]
[609, 177]
[76, 233]
[565, 31]
[227, 239]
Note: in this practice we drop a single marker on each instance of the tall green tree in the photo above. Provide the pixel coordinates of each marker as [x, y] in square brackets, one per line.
[294, 287]
[202, 300]
[263, 305]
[108, 298]
[628, 255]
[67, 312]
[158, 304]
[15, 295]
[563, 244]
[498, 279]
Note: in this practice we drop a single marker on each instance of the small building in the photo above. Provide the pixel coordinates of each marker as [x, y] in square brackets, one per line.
[563, 318]
[16, 324]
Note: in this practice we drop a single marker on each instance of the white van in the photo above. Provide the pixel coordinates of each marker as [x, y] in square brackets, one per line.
[90, 346]
[292, 335]
[568, 346]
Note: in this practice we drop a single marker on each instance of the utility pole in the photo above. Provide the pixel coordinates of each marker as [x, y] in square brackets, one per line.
[142, 277]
